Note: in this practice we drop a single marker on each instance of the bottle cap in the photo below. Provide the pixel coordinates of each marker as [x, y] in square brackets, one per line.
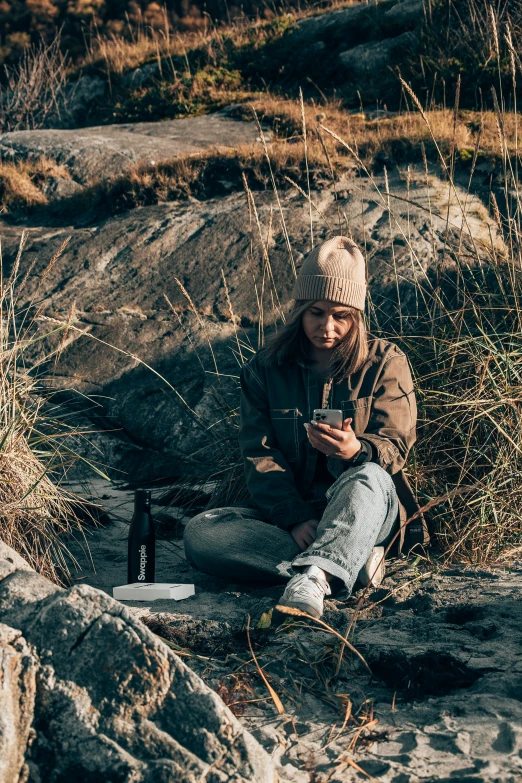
[142, 495]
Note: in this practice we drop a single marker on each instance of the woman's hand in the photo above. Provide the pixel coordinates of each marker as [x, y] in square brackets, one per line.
[305, 533]
[333, 442]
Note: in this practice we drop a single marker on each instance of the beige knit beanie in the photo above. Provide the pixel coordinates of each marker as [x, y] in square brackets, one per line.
[335, 271]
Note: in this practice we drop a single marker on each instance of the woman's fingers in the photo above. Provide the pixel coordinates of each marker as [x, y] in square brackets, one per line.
[321, 438]
[330, 432]
[318, 444]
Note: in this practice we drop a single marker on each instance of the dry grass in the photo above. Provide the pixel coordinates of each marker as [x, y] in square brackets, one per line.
[307, 658]
[34, 90]
[36, 452]
[22, 183]
[396, 136]
[216, 66]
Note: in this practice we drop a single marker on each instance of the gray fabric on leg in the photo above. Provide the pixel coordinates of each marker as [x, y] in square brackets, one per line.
[361, 513]
[234, 544]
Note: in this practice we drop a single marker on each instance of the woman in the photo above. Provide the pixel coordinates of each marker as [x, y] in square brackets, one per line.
[330, 496]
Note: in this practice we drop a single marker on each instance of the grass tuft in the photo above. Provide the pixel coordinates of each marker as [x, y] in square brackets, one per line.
[22, 183]
[36, 442]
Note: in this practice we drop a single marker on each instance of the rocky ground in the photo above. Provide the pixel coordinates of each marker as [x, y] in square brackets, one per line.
[444, 645]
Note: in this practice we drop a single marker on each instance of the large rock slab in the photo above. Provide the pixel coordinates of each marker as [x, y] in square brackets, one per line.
[99, 152]
[106, 698]
[114, 278]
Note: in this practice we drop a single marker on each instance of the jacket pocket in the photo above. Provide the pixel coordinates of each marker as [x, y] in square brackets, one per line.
[358, 410]
[284, 421]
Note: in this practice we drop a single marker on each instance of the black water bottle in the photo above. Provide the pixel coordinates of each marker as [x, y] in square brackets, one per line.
[142, 540]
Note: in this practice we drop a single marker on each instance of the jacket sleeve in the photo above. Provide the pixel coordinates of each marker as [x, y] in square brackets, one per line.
[269, 478]
[393, 416]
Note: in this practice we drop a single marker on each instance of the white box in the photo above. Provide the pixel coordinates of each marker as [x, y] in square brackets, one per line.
[151, 591]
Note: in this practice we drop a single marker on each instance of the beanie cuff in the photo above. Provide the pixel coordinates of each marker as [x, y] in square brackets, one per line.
[335, 289]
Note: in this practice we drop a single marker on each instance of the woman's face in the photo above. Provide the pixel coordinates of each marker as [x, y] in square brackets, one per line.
[325, 323]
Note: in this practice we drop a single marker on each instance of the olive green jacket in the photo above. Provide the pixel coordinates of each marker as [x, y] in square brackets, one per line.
[280, 463]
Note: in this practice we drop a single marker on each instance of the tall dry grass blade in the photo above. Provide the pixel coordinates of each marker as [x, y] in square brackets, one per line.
[232, 316]
[200, 322]
[305, 143]
[275, 698]
[332, 174]
[276, 192]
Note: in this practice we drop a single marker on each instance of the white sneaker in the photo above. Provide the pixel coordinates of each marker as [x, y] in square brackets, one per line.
[306, 592]
[372, 573]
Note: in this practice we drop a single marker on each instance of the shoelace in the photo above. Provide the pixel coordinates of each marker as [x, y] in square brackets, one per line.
[310, 587]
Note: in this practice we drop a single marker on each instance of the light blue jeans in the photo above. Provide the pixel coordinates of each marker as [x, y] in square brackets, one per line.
[361, 511]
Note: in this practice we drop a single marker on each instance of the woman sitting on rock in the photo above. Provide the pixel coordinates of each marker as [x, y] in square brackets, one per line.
[325, 501]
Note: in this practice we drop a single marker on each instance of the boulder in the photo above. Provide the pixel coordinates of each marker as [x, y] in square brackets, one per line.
[361, 24]
[89, 693]
[406, 13]
[323, 26]
[81, 95]
[367, 59]
[100, 152]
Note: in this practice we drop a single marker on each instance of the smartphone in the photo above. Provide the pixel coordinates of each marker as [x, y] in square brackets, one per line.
[329, 416]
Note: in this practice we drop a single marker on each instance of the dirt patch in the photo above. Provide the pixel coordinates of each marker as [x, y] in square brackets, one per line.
[428, 674]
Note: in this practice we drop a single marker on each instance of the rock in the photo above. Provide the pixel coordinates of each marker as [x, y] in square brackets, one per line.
[141, 76]
[406, 13]
[354, 48]
[56, 188]
[366, 59]
[81, 95]
[100, 152]
[116, 275]
[357, 25]
[108, 700]
[17, 697]
[332, 23]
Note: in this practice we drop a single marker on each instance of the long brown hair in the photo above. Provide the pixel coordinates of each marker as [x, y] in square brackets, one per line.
[290, 343]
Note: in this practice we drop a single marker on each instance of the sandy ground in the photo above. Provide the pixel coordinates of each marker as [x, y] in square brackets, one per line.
[443, 701]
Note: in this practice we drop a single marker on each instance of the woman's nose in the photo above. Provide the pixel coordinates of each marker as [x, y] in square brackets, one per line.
[328, 324]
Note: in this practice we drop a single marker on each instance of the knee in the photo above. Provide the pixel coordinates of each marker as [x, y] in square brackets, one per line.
[370, 474]
[199, 535]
